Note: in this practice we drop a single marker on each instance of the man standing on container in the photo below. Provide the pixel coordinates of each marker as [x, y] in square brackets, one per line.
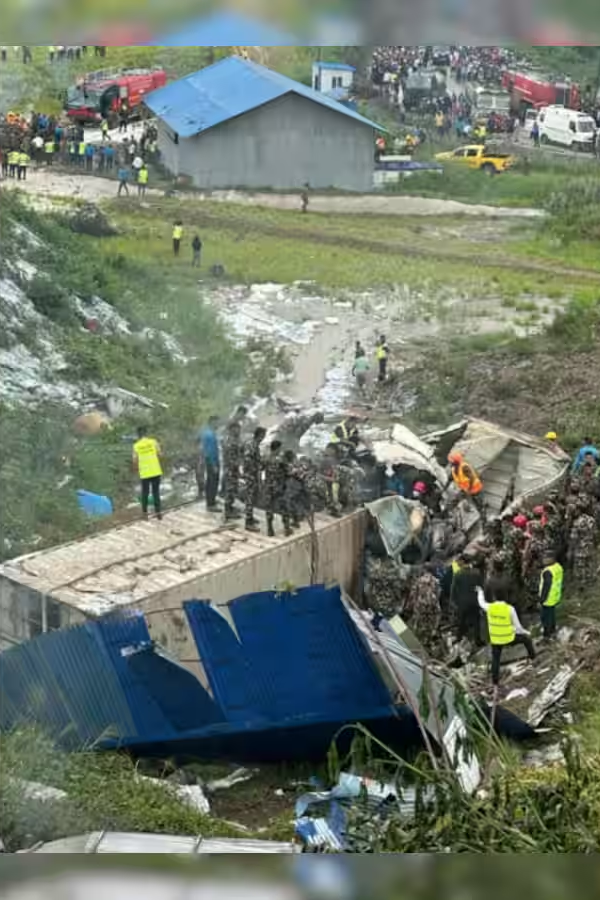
[232, 452]
[252, 469]
[147, 461]
[208, 463]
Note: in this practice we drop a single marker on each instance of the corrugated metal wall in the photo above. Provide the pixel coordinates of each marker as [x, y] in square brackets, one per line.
[280, 145]
[299, 663]
[298, 655]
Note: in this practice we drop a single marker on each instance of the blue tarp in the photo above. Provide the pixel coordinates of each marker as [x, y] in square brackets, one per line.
[294, 671]
[227, 89]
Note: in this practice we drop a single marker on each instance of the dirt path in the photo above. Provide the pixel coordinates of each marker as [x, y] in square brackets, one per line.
[47, 182]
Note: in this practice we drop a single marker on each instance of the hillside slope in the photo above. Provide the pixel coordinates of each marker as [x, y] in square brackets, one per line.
[80, 330]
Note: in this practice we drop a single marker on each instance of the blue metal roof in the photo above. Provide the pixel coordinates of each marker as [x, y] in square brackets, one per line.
[226, 29]
[295, 672]
[343, 67]
[230, 88]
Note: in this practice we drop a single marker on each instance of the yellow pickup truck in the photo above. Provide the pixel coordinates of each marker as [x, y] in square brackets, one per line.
[477, 156]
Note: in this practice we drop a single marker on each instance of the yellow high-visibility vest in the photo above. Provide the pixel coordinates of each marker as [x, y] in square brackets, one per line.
[13, 158]
[456, 568]
[23, 159]
[177, 233]
[143, 176]
[500, 626]
[49, 147]
[146, 451]
[381, 352]
[555, 595]
[104, 126]
[82, 148]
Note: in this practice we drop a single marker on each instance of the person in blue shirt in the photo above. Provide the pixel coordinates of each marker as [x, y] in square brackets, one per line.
[89, 157]
[208, 463]
[109, 157]
[394, 483]
[587, 448]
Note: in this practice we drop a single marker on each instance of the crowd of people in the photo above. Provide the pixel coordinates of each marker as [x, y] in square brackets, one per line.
[60, 53]
[44, 140]
[453, 108]
[516, 571]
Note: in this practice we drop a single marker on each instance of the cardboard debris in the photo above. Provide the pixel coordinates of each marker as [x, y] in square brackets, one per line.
[539, 759]
[549, 697]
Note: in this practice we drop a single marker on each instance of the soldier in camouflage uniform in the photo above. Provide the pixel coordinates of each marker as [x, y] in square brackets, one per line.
[232, 457]
[276, 475]
[297, 495]
[383, 589]
[555, 530]
[252, 471]
[512, 546]
[582, 548]
[427, 614]
[533, 563]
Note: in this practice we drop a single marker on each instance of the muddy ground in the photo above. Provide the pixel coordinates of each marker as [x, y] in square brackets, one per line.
[50, 182]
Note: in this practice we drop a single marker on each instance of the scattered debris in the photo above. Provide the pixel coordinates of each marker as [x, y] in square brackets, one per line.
[549, 755]
[237, 777]
[89, 219]
[552, 693]
[517, 694]
[132, 842]
[190, 794]
[34, 790]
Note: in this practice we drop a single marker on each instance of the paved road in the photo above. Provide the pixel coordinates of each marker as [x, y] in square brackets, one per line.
[49, 183]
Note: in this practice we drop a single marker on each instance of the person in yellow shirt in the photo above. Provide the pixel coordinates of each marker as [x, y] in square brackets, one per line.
[24, 161]
[142, 180]
[147, 461]
[177, 235]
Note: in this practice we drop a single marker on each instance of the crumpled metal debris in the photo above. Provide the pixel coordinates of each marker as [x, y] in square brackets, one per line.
[229, 781]
[551, 694]
[538, 759]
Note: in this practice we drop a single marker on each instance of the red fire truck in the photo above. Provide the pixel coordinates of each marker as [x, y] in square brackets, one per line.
[99, 95]
[530, 91]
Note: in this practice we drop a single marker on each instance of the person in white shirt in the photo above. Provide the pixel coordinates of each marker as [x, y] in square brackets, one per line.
[505, 629]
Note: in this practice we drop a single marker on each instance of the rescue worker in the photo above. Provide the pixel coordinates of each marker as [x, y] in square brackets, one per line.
[177, 235]
[81, 147]
[142, 180]
[24, 161]
[297, 496]
[13, 162]
[550, 593]
[209, 464]
[464, 476]
[104, 130]
[276, 473]
[551, 439]
[427, 613]
[582, 550]
[147, 461]
[232, 451]
[382, 352]
[304, 197]
[196, 251]
[252, 464]
[346, 433]
[533, 562]
[504, 628]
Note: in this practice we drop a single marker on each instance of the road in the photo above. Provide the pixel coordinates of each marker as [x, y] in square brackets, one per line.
[50, 183]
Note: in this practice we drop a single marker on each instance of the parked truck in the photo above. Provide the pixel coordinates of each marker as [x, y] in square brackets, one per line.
[100, 95]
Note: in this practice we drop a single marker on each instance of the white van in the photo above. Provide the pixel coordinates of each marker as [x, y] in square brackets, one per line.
[566, 127]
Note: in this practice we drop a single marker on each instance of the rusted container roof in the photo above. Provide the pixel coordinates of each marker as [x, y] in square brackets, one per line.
[127, 564]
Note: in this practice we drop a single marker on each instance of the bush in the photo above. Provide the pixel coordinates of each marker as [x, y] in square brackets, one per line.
[51, 300]
[575, 210]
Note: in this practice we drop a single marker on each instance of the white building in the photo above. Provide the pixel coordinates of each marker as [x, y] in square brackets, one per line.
[334, 79]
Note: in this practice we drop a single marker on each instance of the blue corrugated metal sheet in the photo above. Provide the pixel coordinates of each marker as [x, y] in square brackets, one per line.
[79, 685]
[283, 665]
[228, 89]
[226, 29]
[296, 674]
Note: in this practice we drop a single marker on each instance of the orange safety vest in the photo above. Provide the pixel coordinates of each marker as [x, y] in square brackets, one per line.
[466, 479]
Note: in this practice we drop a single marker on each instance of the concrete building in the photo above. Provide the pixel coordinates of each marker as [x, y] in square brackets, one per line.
[156, 568]
[334, 79]
[237, 124]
